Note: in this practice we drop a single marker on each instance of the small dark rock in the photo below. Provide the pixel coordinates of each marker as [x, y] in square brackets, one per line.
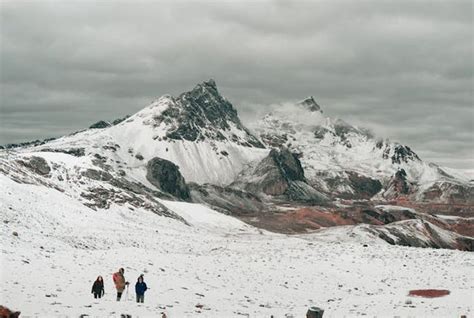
[97, 175]
[99, 125]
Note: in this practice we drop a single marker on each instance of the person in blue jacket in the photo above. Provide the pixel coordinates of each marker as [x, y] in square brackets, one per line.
[140, 289]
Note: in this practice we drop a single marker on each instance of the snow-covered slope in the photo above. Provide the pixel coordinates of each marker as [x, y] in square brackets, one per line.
[198, 130]
[112, 196]
[349, 161]
[53, 248]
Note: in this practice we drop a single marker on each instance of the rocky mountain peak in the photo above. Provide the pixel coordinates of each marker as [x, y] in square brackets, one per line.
[310, 104]
[203, 113]
[207, 89]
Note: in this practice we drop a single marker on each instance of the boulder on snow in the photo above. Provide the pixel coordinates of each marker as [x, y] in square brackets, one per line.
[37, 165]
[165, 175]
[315, 312]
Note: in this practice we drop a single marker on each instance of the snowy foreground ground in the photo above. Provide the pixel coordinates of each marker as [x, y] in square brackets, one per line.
[230, 268]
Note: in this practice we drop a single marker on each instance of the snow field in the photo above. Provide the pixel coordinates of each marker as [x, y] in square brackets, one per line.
[219, 262]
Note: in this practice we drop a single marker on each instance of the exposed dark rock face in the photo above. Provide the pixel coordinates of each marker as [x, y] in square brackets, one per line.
[449, 192]
[370, 216]
[302, 192]
[418, 233]
[165, 176]
[279, 174]
[100, 124]
[274, 173]
[101, 198]
[346, 184]
[204, 114]
[379, 144]
[399, 184]
[111, 147]
[274, 140]
[138, 188]
[27, 144]
[119, 120]
[310, 104]
[288, 163]
[98, 175]
[76, 152]
[320, 132]
[37, 164]
[400, 154]
[227, 200]
[364, 187]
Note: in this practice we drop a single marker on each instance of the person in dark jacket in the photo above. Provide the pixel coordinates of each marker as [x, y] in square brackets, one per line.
[98, 288]
[140, 289]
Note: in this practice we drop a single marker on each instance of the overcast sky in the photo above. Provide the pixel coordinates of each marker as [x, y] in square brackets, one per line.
[403, 69]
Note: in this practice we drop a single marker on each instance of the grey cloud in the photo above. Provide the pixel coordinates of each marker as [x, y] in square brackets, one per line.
[404, 69]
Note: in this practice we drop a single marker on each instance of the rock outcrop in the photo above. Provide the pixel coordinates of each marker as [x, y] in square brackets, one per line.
[165, 175]
[398, 186]
[203, 113]
[310, 104]
[100, 124]
[37, 164]
[227, 200]
[279, 174]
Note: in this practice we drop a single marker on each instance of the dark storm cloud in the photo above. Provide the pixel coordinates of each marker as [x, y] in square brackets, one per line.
[401, 68]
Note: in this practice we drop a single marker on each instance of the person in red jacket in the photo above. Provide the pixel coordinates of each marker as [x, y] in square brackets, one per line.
[120, 283]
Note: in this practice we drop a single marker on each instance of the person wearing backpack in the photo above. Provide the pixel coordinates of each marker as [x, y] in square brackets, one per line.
[140, 289]
[120, 283]
[98, 287]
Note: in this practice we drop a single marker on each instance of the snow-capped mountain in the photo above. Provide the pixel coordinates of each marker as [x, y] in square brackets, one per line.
[194, 148]
[346, 161]
[183, 192]
[199, 131]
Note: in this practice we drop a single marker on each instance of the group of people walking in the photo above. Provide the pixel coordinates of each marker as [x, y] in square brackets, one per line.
[120, 285]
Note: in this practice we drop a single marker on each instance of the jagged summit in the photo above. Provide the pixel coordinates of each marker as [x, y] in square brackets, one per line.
[206, 88]
[310, 104]
[203, 113]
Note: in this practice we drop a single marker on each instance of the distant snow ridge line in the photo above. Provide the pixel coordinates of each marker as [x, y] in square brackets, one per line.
[348, 162]
[195, 148]
[202, 134]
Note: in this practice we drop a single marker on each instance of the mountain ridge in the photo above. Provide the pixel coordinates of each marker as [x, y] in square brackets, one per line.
[301, 168]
